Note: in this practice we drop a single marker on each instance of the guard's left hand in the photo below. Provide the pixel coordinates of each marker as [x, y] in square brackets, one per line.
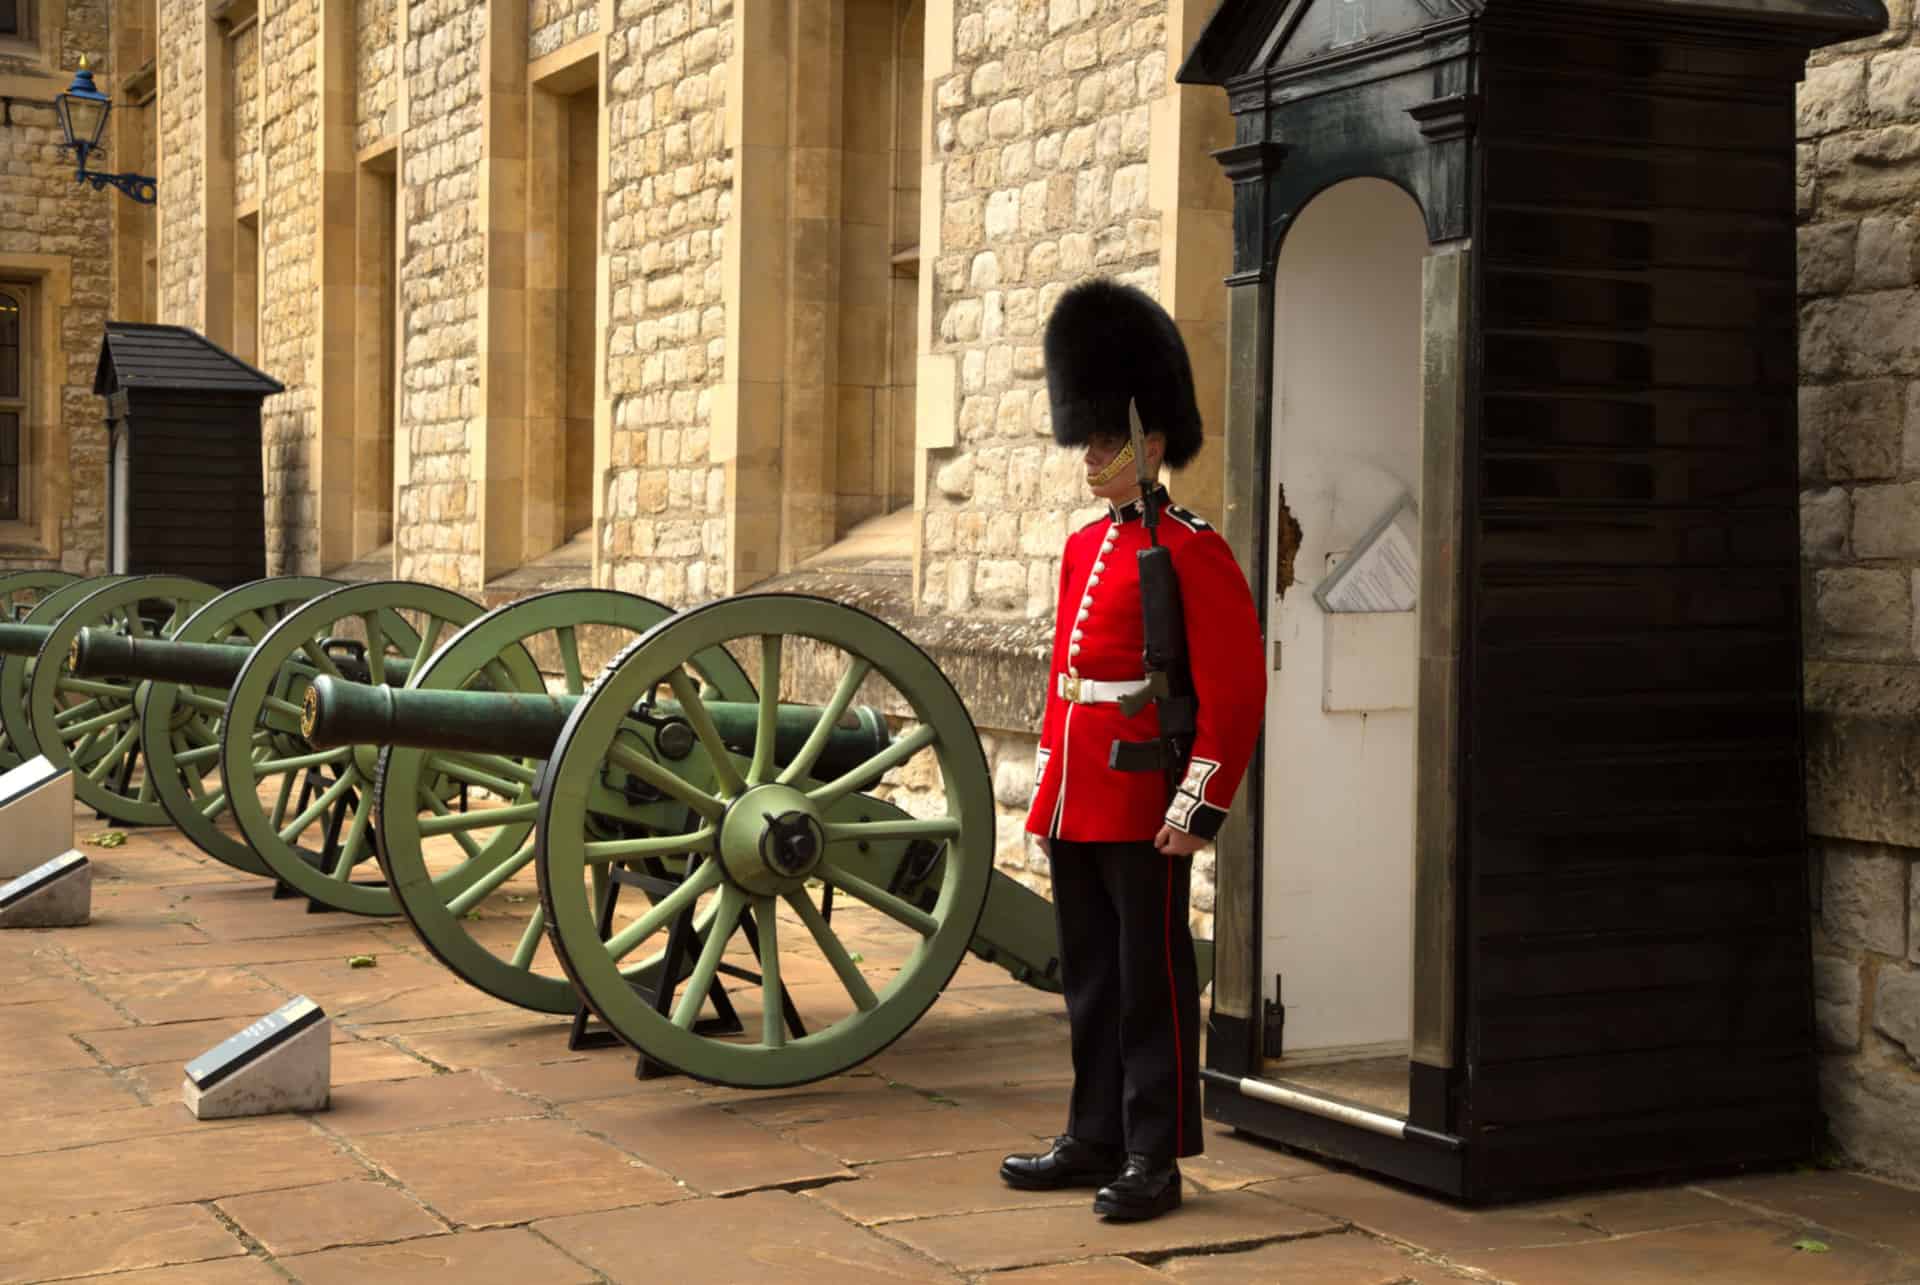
[1177, 843]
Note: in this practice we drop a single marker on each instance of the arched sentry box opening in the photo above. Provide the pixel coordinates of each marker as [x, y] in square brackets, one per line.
[1516, 900]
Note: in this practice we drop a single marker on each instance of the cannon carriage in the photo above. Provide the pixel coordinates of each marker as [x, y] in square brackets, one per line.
[703, 821]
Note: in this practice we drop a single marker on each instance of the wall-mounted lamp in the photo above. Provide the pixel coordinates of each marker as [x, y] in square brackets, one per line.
[83, 112]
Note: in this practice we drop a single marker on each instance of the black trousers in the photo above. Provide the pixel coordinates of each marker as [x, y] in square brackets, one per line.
[1133, 999]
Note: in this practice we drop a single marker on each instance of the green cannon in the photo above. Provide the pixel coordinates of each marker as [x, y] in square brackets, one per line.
[102, 653]
[338, 712]
[90, 725]
[477, 887]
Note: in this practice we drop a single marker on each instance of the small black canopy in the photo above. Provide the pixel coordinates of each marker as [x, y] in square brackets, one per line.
[1247, 36]
[135, 355]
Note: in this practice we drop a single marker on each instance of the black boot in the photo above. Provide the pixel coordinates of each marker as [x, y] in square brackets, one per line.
[1146, 1188]
[1070, 1163]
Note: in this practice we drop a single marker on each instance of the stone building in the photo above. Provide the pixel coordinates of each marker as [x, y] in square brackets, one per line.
[1860, 520]
[682, 297]
[690, 297]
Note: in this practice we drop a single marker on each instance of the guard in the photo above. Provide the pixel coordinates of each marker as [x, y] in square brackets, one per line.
[1152, 714]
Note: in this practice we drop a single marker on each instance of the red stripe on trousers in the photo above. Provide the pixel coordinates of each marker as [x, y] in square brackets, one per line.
[1173, 1003]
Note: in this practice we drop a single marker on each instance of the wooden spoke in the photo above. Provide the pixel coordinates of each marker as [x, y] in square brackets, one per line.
[823, 935]
[773, 1027]
[881, 900]
[695, 709]
[667, 782]
[662, 912]
[816, 741]
[693, 996]
[570, 659]
[874, 768]
[766, 720]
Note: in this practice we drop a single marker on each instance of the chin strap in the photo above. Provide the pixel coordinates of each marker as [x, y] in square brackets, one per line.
[1115, 466]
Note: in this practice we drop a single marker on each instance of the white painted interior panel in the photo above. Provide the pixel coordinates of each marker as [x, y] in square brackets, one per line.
[1340, 750]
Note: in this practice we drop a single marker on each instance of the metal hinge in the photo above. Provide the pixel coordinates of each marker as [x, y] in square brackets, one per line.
[1276, 656]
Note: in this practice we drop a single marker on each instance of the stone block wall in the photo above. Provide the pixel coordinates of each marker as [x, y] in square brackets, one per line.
[1043, 133]
[668, 199]
[376, 28]
[61, 232]
[442, 277]
[181, 66]
[1860, 516]
[552, 23]
[290, 105]
[246, 117]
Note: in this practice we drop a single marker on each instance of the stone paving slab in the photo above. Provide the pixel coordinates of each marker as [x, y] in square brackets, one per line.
[1844, 1202]
[933, 1186]
[179, 1168]
[1060, 1233]
[1349, 1258]
[511, 1171]
[421, 1102]
[705, 1146]
[299, 1220]
[1091, 1271]
[1721, 1253]
[1402, 1215]
[505, 1257]
[61, 1130]
[228, 1271]
[768, 1236]
[99, 1243]
[467, 1143]
[867, 1138]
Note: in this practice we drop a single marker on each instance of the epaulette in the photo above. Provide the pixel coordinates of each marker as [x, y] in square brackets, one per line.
[1187, 518]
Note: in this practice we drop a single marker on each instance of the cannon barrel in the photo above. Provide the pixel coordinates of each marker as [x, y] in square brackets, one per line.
[106, 653]
[22, 640]
[529, 723]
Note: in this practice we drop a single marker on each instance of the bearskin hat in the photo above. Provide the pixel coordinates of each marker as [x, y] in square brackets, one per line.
[1107, 344]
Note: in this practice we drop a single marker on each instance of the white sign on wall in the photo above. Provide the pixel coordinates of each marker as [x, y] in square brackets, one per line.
[1382, 570]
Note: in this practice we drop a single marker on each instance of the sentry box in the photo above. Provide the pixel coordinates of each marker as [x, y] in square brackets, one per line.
[1519, 899]
[184, 470]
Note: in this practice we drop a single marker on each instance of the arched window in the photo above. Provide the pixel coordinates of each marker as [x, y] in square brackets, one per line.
[13, 397]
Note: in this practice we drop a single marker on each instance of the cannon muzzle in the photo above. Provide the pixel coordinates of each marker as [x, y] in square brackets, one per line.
[22, 640]
[106, 653]
[528, 724]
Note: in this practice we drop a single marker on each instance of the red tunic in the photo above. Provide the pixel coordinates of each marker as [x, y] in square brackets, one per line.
[1097, 635]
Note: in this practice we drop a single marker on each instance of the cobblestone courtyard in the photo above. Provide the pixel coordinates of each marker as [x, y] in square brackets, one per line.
[466, 1143]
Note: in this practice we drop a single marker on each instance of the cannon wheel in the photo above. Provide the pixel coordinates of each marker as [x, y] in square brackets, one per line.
[748, 868]
[497, 842]
[94, 722]
[16, 672]
[181, 726]
[20, 592]
[337, 810]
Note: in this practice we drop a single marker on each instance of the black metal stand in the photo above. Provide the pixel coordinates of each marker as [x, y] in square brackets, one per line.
[683, 942]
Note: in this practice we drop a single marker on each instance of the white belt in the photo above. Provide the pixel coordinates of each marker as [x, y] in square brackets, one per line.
[1096, 691]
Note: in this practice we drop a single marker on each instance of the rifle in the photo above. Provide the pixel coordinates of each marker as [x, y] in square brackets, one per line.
[1163, 627]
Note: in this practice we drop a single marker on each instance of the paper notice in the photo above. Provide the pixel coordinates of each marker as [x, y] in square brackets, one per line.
[1382, 573]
